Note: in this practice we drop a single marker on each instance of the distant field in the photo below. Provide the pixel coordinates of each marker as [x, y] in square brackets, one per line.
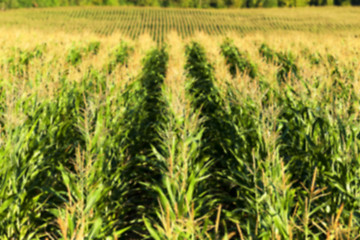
[132, 21]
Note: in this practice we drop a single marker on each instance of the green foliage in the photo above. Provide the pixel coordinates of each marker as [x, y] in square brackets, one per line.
[285, 3]
[288, 69]
[176, 3]
[93, 48]
[76, 53]
[223, 140]
[145, 117]
[344, 2]
[237, 61]
[266, 52]
[270, 3]
[120, 56]
[25, 57]
[74, 56]
[300, 3]
[100, 160]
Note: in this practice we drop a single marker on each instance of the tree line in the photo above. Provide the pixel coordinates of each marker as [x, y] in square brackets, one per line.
[5, 4]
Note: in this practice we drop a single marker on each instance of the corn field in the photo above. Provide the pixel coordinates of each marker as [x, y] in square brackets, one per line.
[159, 22]
[206, 136]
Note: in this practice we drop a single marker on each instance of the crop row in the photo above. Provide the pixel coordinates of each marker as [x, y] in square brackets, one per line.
[134, 22]
[99, 161]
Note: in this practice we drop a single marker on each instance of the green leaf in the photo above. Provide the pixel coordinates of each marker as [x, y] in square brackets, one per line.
[95, 228]
[93, 198]
[6, 204]
[151, 230]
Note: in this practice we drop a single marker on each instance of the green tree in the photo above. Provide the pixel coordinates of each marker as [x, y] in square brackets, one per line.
[250, 3]
[236, 3]
[285, 3]
[300, 3]
[270, 3]
[185, 3]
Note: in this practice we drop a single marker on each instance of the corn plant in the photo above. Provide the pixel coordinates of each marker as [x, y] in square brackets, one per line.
[178, 152]
[120, 56]
[237, 61]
